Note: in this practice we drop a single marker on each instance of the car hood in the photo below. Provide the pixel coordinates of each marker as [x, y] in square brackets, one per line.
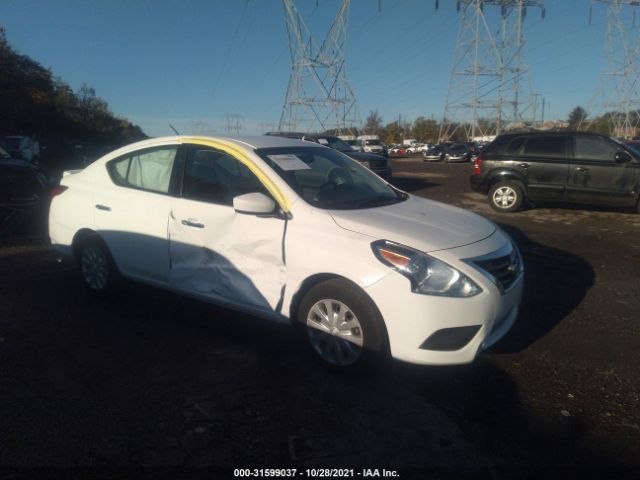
[419, 223]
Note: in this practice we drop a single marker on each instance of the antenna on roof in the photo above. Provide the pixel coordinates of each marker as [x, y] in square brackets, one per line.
[174, 129]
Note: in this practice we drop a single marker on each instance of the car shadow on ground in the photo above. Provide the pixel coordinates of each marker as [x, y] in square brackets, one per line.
[556, 282]
[582, 208]
[142, 377]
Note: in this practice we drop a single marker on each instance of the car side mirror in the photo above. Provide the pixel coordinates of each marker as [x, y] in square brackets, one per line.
[255, 203]
[622, 157]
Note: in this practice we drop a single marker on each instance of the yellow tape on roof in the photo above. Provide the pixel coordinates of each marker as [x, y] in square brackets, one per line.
[239, 154]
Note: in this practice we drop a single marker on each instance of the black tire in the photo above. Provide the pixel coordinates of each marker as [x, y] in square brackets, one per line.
[368, 329]
[96, 267]
[506, 196]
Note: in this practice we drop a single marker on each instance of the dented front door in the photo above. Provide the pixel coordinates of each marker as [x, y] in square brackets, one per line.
[217, 252]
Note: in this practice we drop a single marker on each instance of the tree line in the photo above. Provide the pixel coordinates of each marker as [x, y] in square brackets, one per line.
[427, 130]
[35, 102]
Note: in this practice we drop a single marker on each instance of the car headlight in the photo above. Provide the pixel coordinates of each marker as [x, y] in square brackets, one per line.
[427, 274]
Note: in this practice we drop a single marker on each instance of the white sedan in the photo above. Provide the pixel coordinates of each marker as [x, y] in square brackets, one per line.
[295, 232]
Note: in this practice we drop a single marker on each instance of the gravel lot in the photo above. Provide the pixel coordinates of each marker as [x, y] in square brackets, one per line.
[146, 378]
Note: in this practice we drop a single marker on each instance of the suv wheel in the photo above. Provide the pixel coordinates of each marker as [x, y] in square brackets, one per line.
[506, 197]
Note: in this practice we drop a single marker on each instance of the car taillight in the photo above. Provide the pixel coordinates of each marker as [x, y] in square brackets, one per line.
[57, 190]
[477, 166]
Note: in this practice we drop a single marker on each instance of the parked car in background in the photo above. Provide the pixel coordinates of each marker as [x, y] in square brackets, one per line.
[434, 154]
[372, 144]
[376, 163]
[401, 150]
[458, 152]
[22, 184]
[575, 167]
[415, 148]
[294, 232]
[357, 145]
[23, 147]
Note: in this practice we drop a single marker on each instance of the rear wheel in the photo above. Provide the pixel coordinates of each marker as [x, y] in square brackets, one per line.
[506, 196]
[344, 329]
[96, 266]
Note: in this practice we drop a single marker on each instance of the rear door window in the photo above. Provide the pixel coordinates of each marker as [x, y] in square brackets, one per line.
[546, 146]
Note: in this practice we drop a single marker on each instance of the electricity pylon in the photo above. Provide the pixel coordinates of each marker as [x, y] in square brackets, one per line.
[485, 94]
[619, 92]
[319, 96]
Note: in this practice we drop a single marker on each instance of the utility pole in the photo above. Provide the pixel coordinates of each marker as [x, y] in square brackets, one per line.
[484, 95]
[535, 109]
[233, 123]
[319, 96]
[618, 95]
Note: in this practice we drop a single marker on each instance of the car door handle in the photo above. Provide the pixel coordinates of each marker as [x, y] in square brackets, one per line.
[103, 207]
[192, 223]
[581, 169]
[524, 165]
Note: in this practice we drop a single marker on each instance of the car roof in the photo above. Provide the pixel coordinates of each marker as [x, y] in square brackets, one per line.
[252, 142]
[313, 136]
[550, 132]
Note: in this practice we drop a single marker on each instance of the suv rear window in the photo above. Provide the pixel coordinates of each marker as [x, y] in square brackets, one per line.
[515, 146]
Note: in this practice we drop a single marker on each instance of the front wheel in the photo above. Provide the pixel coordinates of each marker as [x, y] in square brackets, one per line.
[344, 329]
[506, 197]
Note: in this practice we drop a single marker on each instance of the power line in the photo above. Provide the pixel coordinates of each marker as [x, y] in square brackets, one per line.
[481, 54]
[319, 96]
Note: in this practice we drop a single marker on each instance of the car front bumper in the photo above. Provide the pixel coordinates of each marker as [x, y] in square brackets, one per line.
[435, 330]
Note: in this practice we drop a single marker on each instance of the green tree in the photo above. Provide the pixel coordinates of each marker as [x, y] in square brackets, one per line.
[426, 130]
[576, 117]
[373, 123]
[35, 102]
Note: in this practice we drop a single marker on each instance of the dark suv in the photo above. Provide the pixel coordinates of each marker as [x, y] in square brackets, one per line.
[576, 167]
[376, 163]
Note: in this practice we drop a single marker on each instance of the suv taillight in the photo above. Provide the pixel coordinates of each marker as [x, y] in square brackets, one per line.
[477, 166]
[57, 190]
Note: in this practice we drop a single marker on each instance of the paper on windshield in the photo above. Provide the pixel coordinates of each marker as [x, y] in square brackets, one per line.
[289, 162]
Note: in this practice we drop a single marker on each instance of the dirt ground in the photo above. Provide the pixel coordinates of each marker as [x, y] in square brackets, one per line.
[146, 378]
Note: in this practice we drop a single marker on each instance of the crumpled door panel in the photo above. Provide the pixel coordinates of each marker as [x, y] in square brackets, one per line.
[235, 257]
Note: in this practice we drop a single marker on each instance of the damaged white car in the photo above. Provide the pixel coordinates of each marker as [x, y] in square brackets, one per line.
[295, 232]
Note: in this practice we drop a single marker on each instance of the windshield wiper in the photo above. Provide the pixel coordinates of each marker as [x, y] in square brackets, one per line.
[378, 201]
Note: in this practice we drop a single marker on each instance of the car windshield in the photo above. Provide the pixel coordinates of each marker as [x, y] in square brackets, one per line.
[328, 179]
[372, 142]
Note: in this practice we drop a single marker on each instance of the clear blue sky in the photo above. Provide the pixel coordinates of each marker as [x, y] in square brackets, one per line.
[190, 62]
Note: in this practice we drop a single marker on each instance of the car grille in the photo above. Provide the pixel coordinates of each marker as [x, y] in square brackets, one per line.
[504, 270]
